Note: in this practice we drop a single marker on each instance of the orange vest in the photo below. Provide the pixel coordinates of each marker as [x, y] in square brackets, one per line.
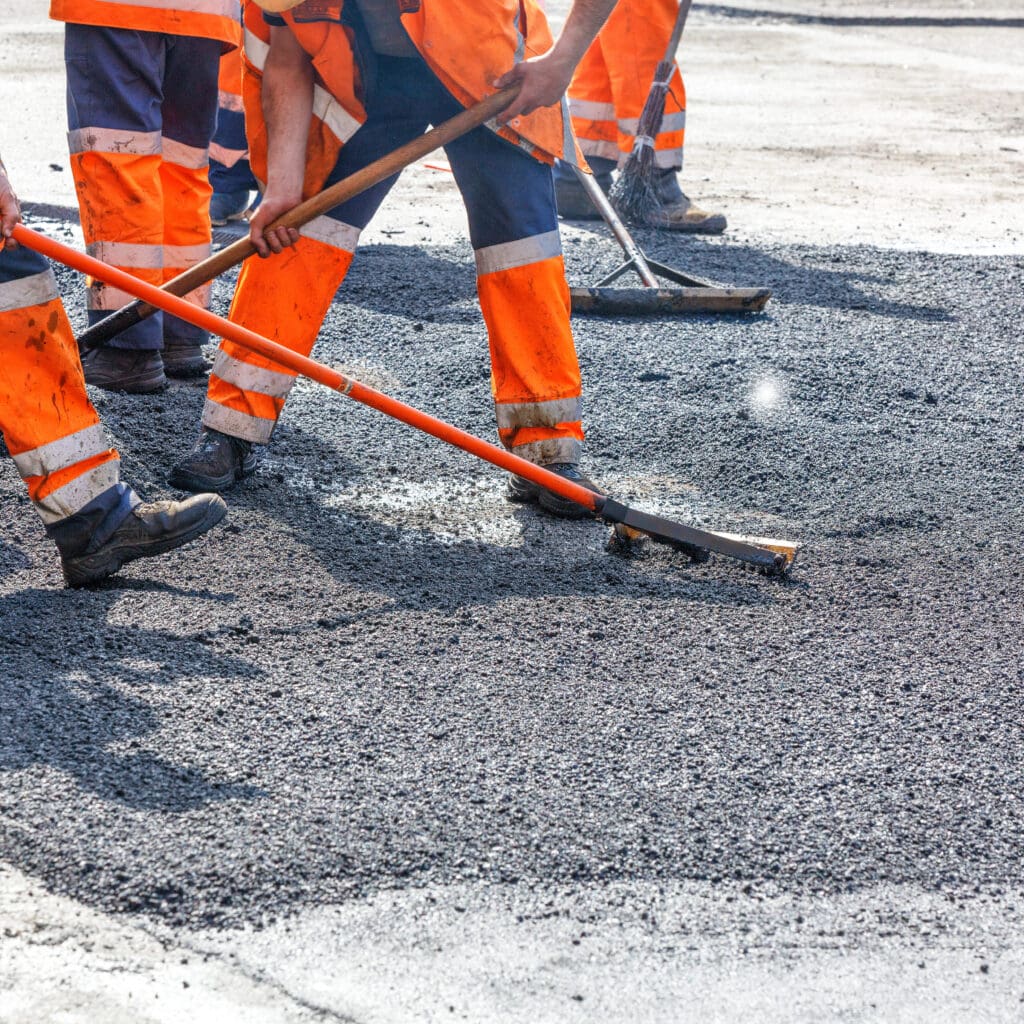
[210, 19]
[468, 44]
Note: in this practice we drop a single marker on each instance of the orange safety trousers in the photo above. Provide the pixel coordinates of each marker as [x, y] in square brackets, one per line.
[524, 297]
[49, 425]
[612, 81]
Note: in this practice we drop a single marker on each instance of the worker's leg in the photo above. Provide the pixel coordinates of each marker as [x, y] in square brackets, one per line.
[188, 115]
[231, 177]
[286, 297]
[114, 94]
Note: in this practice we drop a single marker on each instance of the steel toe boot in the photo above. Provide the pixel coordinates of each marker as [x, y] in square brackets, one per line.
[522, 490]
[136, 371]
[183, 359]
[149, 529]
[683, 215]
[217, 462]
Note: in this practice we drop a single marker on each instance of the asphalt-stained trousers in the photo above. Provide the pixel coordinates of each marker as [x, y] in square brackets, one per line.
[611, 83]
[524, 297]
[49, 425]
[141, 111]
[229, 150]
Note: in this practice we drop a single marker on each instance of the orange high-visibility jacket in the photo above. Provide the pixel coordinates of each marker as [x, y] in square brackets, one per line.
[468, 44]
[207, 19]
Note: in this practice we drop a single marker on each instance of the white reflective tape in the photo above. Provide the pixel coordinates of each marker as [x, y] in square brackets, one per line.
[129, 255]
[587, 110]
[64, 452]
[230, 101]
[341, 123]
[252, 378]
[600, 148]
[223, 8]
[521, 253]
[105, 297]
[517, 415]
[67, 500]
[226, 157]
[191, 157]
[29, 291]
[113, 140]
[668, 158]
[332, 232]
[551, 450]
[181, 256]
[675, 122]
[237, 424]
[255, 49]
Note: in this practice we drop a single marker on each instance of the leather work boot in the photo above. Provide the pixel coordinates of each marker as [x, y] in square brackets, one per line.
[218, 461]
[682, 215]
[522, 490]
[183, 359]
[150, 529]
[135, 371]
[573, 203]
[225, 206]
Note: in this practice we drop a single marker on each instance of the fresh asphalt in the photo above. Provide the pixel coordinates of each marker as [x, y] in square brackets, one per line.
[380, 677]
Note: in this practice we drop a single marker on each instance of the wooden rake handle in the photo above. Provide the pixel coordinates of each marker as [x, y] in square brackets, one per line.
[215, 265]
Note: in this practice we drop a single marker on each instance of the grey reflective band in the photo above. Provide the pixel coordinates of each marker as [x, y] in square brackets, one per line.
[521, 253]
[519, 415]
[252, 378]
[554, 449]
[75, 495]
[26, 292]
[237, 424]
[62, 453]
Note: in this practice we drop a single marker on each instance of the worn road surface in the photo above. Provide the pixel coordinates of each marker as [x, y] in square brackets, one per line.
[385, 748]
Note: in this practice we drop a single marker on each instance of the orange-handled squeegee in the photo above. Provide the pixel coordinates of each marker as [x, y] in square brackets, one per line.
[773, 557]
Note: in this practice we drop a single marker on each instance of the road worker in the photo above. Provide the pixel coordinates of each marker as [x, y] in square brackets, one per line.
[55, 437]
[606, 98]
[343, 83]
[142, 105]
[231, 177]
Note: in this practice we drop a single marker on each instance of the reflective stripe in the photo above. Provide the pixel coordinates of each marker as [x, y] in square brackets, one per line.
[230, 101]
[185, 156]
[103, 296]
[113, 140]
[29, 291]
[508, 255]
[517, 415]
[666, 159]
[185, 255]
[256, 49]
[588, 110]
[332, 232]
[218, 8]
[674, 122]
[67, 500]
[570, 155]
[237, 424]
[64, 452]
[252, 378]
[520, 38]
[334, 115]
[554, 449]
[224, 156]
[600, 148]
[128, 254]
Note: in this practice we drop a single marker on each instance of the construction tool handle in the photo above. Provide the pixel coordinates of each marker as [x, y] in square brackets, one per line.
[338, 193]
[299, 364]
[612, 219]
[677, 31]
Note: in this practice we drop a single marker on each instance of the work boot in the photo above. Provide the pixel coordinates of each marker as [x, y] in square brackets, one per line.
[218, 461]
[225, 206]
[682, 215]
[150, 529]
[522, 490]
[136, 371]
[573, 202]
[183, 359]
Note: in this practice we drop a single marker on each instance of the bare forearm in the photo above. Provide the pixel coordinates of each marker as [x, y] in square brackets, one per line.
[287, 107]
[581, 27]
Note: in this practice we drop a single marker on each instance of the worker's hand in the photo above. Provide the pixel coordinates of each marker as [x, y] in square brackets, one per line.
[542, 82]
[273, 205]
[10, 210]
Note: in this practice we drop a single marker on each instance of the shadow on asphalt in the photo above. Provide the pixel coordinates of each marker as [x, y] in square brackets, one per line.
[93, 731]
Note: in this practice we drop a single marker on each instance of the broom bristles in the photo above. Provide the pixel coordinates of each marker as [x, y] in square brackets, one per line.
[634, 194]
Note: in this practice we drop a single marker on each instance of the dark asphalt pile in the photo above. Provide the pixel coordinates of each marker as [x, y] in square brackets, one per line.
[381, 675]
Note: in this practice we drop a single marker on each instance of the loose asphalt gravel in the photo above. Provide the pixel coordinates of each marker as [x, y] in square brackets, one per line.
[380, 676]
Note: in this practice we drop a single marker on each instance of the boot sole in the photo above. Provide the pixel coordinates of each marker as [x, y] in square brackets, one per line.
[139, 386]
[96, 567]
[527, 493]
[187, 481]
[186, 370]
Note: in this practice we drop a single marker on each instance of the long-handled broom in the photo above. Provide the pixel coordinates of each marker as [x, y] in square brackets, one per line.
[772, 557]
[634, 194]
